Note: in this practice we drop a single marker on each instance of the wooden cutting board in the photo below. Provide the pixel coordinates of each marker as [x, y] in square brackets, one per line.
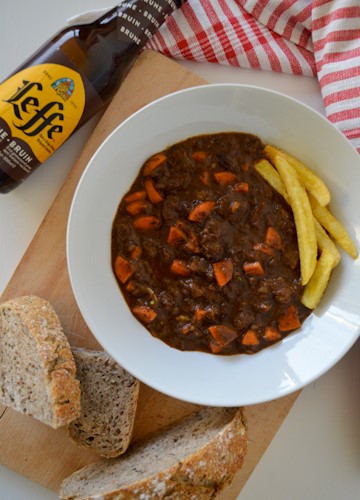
[32, 449]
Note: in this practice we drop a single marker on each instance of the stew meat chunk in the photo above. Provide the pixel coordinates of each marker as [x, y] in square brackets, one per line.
[205, 251]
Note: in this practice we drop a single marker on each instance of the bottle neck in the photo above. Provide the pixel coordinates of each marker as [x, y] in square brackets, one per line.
[139, 20]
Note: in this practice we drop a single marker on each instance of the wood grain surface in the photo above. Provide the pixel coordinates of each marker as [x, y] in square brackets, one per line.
[34, 450]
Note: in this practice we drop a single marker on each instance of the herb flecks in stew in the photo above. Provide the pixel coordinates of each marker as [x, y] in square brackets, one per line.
[205, 251]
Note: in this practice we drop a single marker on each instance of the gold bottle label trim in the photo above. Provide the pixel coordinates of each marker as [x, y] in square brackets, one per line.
[40, 107]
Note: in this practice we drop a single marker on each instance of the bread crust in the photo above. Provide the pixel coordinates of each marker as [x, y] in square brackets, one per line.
[201, 475]
[40, 322]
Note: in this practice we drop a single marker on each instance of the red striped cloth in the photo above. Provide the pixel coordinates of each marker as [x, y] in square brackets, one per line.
[303, 37]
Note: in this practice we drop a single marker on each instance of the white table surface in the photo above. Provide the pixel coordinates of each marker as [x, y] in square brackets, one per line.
[316, 453]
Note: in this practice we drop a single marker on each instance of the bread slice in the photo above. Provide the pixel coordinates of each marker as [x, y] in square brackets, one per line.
[195, 458]
[37, 368]
[109, 397]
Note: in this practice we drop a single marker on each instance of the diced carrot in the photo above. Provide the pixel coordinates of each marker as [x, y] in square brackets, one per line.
[180, 268]
[254, 268]
[135, 251]
[241, 187]
[290, 319]
[153, 163]
[123, 268]
[271, 334]
[199, 156]
[222, 334]
[223, 271]
[273, 238]
[225, 178]
[136, 207]
[264, 248]
[153, 195]
[136, 196]
[250, 338]
[205, 177]
[176, 236]
[144, 313]
[199, 313]
[147, 222]
[201, 211]
[215, 348]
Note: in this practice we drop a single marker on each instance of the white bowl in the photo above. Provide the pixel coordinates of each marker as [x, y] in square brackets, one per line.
[193, 376]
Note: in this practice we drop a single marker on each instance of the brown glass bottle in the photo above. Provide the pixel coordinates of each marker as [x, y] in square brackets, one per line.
[68, 80]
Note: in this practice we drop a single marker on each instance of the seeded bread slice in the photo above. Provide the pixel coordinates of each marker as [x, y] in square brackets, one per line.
[37, 368]
[195, 458]
[109, 397]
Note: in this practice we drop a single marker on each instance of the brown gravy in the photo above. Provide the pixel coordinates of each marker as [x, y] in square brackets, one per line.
[205, 251]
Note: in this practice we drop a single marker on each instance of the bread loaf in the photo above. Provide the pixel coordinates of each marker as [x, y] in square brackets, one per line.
[108, 404]
[195, 458]
[37, 368]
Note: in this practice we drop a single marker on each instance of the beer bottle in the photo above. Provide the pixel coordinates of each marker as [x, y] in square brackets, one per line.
[67, 81]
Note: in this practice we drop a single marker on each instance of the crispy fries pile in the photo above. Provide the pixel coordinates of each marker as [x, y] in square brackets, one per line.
[316, 228]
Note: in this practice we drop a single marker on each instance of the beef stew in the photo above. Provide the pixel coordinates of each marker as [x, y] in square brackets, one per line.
[205, 250]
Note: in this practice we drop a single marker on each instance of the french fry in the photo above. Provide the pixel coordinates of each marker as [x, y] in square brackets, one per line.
[304, 220]
[315, 288]
[311, 181]
[333, 227]
[325, 242]
[271, 175]
[316, 227]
